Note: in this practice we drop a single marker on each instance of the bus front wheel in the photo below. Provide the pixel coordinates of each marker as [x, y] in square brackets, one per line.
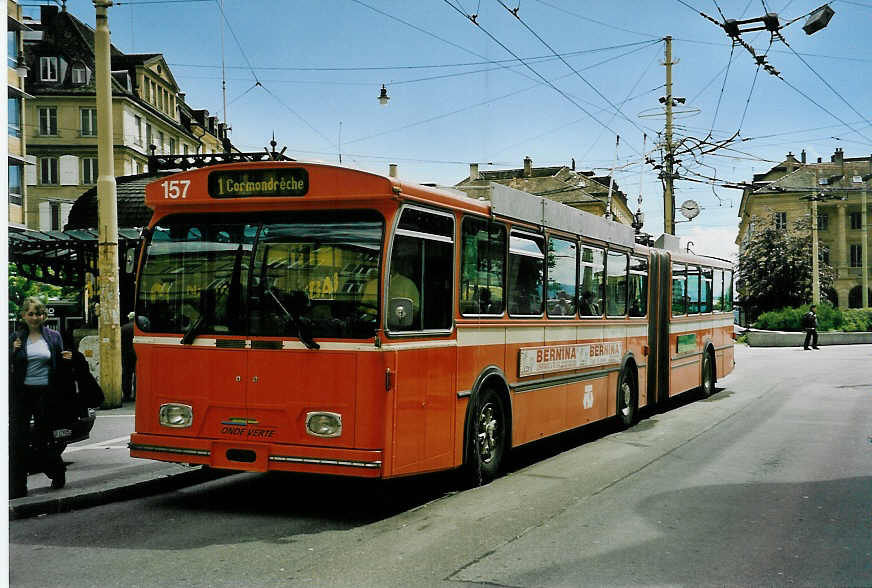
[487, 437]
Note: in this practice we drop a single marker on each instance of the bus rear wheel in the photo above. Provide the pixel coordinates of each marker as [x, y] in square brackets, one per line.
[486, 437]
[708, 375]
[628, 399]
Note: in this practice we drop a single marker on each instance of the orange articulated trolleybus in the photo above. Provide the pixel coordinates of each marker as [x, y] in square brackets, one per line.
[312, 318]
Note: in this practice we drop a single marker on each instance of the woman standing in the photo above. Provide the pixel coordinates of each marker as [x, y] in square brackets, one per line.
[35, 354]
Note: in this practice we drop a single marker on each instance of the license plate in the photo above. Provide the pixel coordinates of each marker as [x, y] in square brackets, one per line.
[62, 433]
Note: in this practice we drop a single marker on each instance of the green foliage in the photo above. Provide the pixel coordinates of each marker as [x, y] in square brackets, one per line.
[775, 268]
[790, 318]
[856, 319]
[21, 287]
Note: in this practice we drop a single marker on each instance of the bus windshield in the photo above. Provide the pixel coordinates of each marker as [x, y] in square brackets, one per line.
[306, 275]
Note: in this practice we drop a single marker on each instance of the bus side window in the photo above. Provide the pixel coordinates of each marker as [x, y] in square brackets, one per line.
[562, 266]
[693, 290]
[705, 290]
[616, 284]
[421, 272]
[679, 290]
[718, 290]
[638, 286]
[728, 290]
[482, 267]
[591, 277]
[526, 274]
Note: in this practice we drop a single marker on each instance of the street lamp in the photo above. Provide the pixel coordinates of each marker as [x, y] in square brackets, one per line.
[383, 96]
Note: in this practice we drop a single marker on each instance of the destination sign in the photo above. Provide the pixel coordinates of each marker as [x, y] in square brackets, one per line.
[249, 183]
[555, 358]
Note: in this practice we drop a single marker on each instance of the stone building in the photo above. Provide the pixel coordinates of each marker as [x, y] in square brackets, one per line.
[579, 189]
[781, 194]
[148, 109]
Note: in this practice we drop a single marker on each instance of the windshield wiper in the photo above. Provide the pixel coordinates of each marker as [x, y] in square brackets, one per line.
[193, 330]
[294, 318]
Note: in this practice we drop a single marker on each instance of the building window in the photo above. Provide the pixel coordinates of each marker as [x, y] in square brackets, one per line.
[48, 69]
[89, 122]
[12, 49]
[185, 148]
[15, 185]
[172, 146]
[148, 136]
[89, 170]
[856, 221]
[138, 124]
[160, 142]
[80, 74]
[823, 222]
[856, 255]
[48, 170]
[48, 120]
[780, 220]
[15, 116]
[55, 209]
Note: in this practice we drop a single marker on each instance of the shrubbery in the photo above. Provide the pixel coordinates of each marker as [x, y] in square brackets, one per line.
[829, 319]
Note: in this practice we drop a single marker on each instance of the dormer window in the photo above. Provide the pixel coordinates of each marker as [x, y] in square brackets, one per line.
[80, 74]
[48, 69]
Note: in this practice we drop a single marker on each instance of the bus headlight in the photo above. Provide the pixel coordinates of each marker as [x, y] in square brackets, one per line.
[324, 424]
[176, 415]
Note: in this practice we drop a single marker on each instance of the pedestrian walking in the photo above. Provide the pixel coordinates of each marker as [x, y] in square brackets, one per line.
[810, 323]
[35, 355]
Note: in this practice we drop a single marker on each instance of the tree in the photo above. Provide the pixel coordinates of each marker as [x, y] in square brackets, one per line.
[21, 287]
[775, 267]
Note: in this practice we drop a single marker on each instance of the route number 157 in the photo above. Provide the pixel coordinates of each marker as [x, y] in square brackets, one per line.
[173, 189]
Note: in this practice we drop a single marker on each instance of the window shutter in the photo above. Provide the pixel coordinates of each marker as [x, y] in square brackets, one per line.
[69, 170]
[66, 207]
[30, 174]
[45, 216]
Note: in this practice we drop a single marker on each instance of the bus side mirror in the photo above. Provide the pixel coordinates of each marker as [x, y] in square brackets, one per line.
[400, 313]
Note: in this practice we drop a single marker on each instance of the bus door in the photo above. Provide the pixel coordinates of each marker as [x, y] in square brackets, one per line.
[418, 310]
[658, 327]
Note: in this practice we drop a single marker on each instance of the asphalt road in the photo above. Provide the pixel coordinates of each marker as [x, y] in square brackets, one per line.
[768, 482]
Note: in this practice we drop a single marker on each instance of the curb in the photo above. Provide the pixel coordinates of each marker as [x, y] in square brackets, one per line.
[30, 507]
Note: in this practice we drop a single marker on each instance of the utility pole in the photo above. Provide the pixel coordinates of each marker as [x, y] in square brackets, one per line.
[864, 248]
[668, 193]
[109, 323]
[815, 266]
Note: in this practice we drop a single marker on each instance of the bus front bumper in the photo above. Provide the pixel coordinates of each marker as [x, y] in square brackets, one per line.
[258, 457]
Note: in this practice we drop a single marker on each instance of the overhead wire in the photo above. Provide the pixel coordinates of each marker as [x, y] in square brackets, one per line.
[566, 63]
[490, 100]
[540, 76]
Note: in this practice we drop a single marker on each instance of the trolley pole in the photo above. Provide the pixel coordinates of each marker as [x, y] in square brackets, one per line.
[668, 193]
[109, 323]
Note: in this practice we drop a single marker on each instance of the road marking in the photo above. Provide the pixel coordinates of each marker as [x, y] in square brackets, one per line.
[117, 443]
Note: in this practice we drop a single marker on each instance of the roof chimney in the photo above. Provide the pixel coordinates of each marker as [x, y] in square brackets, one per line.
[473, 171]
[392, 170]
[573, 164]
[528, 167]
[802, 156]
[838, 155]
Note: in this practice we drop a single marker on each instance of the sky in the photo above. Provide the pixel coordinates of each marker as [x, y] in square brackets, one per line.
[554, 80]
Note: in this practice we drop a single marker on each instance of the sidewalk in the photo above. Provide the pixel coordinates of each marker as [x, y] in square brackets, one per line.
[100, 470]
